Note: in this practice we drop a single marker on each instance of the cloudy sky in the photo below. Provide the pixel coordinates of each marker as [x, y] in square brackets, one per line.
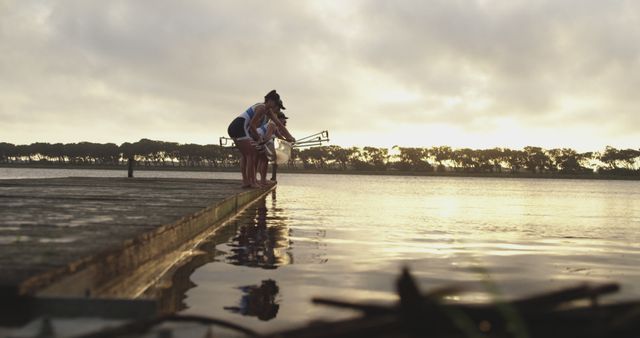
[464, 73]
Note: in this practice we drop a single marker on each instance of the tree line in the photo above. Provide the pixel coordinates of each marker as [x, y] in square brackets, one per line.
[146, 152]
[406, 159]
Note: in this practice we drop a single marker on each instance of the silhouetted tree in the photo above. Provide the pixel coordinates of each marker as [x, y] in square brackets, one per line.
[317, 156]
[536, 159]
[160, 153]
[7, 152]
[493, 159]
[375, 158]
[465, 159]
[440, 155]
[570, 161]
[516, 159]
[413, 159]
[340, 155]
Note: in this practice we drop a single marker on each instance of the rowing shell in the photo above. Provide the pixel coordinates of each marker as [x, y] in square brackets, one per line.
[283, 151]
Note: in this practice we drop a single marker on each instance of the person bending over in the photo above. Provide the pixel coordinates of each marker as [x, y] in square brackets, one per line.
[243, 131]
[266, 149]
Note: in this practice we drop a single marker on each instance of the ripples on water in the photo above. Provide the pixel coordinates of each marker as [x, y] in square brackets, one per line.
[348, 236]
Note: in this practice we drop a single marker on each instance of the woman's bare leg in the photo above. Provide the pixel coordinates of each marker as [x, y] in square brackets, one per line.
[247, 165]
[263, 163]
[251, 167]
[243, 164]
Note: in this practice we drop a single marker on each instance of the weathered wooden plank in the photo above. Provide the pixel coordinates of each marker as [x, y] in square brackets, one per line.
[88, 230]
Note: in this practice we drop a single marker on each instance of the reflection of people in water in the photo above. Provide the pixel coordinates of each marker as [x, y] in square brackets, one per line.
[258, 301]
[259, 245]
[251, 241]
[171, 294]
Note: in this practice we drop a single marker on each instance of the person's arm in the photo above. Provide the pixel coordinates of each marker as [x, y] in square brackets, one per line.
[271, 129]
[253, 124]
[281, 127]
[279, 134]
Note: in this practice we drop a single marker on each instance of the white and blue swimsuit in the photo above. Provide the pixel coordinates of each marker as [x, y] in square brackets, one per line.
[239, 127]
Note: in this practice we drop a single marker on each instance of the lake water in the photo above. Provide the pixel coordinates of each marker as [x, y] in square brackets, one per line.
[347, 237]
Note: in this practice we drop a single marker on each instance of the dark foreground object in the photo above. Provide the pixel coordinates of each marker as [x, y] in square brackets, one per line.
[573, 312]
[568, 313]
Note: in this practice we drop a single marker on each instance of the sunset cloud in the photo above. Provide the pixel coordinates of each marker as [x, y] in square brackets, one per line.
[417, 73]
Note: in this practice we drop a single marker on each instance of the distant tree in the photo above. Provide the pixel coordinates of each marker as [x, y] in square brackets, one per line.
[536, 159]
[493, 159]
[415, 159]
[22, 153]
[516, 159]
[570, 161]
[484, 160]
[615, 158]
[107, 153]
[37, 151]
[314, 157]
[554, 156]
[465, 159]
[305, 157]
[7, 152]
[150, 152]
[78, 153]
[127, 151]
[358, 161]
[440, 155]
[213, 155]
[170, 152]
[295, 156]
[57, 152]
[620, 161]
[378, 158]
[340, 155]
[610, 157]
[192, 154]
[230, 157]
[320, 156]
[630, 158]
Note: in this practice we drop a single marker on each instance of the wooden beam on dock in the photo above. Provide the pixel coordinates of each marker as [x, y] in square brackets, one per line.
[72, 237]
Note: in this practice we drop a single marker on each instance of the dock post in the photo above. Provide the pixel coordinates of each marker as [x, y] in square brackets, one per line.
[130, 163]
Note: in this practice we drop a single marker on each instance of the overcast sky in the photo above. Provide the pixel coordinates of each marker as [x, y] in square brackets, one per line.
[478, 74]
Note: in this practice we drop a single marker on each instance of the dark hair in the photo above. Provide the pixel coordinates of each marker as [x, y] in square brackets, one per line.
[272, 95]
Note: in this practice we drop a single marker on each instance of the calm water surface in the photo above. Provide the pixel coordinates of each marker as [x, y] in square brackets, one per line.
[347, 237]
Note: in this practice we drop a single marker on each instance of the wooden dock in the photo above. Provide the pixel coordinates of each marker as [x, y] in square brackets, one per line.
[102, 237]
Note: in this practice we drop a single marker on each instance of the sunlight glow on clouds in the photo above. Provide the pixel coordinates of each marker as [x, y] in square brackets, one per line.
[478, 74]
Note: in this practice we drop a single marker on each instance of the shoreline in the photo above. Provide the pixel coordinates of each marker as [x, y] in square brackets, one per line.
[282, 170]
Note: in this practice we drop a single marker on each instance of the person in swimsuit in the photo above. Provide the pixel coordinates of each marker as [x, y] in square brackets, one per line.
[266, 150]
[243, 131]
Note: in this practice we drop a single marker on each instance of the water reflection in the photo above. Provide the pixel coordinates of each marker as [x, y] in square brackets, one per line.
[260, 243]
[258, 237]
[171, 294]
[258, 301]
